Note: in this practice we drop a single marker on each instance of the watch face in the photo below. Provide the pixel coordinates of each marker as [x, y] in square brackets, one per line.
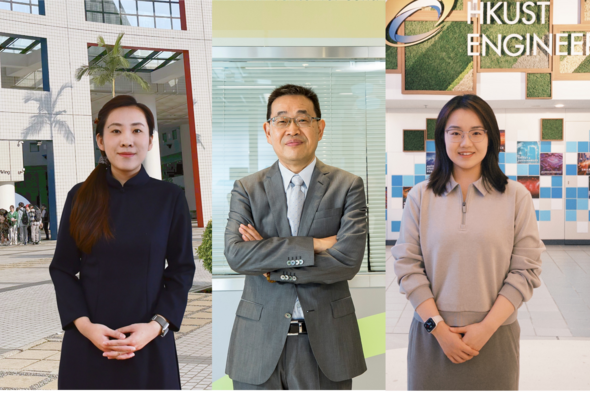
[430, 325]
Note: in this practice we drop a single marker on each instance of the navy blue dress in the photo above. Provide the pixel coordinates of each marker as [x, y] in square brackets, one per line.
[124, 281]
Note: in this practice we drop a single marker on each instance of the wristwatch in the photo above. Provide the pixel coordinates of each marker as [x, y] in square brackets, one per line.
[161, 321]
[432, 323]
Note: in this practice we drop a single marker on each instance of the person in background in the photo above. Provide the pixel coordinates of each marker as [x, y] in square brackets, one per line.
[23, 223]
[468, 256]
[35, 216]
[3, 227]
[45, 220]
[13, 223]
[28, 209]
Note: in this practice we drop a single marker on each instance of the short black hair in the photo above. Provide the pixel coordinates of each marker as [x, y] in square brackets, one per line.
[294, 90]
[492, 175]
[21, 204]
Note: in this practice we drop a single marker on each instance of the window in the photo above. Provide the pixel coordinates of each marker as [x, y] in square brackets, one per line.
[352, 100]
[36, 7]
[23, 62]
[158, 14]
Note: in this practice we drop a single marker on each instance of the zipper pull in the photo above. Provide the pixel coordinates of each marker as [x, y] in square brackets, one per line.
[464, 208]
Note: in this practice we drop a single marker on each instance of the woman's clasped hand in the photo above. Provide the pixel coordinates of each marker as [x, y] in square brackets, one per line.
[114, 344]
[461, 344]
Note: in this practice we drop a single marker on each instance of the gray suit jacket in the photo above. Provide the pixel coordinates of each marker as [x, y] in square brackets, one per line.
[335, 205]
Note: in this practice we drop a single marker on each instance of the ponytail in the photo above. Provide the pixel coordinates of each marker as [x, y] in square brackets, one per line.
[89, 220]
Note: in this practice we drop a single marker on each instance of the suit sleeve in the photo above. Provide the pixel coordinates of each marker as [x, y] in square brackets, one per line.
[179, 274]
[259, 257]
[71, 301]
[343, 260]
[525, 263]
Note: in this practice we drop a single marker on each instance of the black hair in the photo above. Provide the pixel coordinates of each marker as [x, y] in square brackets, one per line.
[294, 90]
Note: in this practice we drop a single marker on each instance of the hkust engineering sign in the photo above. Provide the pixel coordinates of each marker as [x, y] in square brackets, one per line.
[497, 13]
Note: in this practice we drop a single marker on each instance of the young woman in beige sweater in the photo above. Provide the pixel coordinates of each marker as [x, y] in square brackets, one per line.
[468, 256]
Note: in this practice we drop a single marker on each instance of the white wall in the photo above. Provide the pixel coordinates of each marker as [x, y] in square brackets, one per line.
[520, 125]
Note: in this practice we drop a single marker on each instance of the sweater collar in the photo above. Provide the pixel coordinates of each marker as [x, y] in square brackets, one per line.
[139, 179]
[452, 184]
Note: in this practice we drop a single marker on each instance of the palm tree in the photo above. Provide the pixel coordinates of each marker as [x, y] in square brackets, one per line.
[47, 115]
[111, 66]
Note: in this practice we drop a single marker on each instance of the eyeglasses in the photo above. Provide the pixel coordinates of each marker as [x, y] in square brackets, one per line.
[475, 135]
[302, 121]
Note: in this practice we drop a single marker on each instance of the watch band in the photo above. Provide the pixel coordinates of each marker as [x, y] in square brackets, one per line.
[162, 322]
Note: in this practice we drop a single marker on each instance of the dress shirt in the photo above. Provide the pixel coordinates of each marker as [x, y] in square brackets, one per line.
[305, 174]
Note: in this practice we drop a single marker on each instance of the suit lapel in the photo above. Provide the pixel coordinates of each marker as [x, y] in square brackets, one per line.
[275, 192]
[317, 188]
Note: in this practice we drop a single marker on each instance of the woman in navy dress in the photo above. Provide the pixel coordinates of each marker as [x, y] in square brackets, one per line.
[115, 294]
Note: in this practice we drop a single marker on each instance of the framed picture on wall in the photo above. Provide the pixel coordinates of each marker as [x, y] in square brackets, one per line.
[430, 157]
[527, 152]
[532, 183]
[583, 163]
[551, 163]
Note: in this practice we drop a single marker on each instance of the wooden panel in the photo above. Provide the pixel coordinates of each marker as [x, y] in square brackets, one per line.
[557, 74]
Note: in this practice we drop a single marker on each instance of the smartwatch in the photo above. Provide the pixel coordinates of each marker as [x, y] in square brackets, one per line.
[432, 323]
[161, 321]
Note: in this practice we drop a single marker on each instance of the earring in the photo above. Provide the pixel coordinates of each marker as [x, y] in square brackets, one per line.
[104, 160]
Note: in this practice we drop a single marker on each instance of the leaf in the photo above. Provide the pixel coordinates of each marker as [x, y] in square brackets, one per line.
[63, 128]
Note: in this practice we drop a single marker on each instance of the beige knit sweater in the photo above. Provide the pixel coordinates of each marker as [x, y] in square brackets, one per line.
[465, 253]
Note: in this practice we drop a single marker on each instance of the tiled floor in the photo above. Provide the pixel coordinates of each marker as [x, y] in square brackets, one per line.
[30, 342]
[559, 311]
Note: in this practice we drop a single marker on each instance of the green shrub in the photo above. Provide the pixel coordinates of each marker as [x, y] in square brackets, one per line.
[205, 250]
[552, 129]
[414, 141]
[430, 127]
[538, 85]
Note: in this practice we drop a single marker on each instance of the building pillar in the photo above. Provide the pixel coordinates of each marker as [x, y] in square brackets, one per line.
[7, 194]
[187, 166]
[152, 162]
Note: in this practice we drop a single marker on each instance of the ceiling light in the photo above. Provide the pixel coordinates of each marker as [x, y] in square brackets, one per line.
[559, 105]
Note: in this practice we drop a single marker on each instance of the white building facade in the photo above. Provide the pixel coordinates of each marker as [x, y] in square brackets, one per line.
[42, 103]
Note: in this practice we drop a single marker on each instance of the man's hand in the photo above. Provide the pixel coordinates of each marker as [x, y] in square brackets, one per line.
[454, 348]
[322, 244]
[475, 335]
[249, 233]
[141, 335]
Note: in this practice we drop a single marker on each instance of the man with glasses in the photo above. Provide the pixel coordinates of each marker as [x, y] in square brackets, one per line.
[297, 230]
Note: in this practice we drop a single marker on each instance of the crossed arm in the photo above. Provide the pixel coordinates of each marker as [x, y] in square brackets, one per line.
[325, 260]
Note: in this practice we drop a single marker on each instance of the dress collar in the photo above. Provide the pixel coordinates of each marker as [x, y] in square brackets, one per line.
[452, 184]
[139, 179]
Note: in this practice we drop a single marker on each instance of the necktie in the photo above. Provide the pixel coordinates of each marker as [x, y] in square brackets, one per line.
[295, 203]
[294, 208]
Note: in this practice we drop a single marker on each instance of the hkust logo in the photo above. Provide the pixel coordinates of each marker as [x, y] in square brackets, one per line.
[400, 10]
[490, 12]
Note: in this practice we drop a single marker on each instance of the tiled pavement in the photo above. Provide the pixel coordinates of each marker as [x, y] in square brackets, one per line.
[30, 342]
[557, 314]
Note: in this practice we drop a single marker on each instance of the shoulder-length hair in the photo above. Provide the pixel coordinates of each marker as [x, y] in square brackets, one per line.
[89, 220]
[491, 174]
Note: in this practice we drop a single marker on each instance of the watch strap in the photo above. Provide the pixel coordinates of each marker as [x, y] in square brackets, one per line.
[162, 322]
